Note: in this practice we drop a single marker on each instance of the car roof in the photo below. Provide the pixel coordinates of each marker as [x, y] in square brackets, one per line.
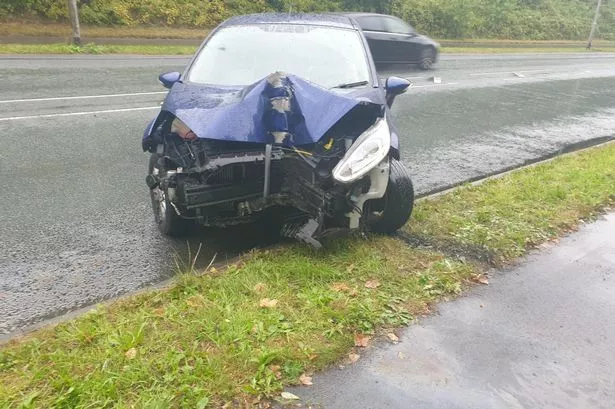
[363, 14]
[326, 20]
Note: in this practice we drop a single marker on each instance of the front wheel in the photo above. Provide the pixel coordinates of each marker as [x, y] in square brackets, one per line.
[167, 219]
[427, 59]
[391, 212]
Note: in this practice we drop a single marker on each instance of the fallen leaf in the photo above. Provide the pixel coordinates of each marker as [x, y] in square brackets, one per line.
[267, 303]
[481, 278]
[194, 302]
[393, 338]
[131, 353]
[340, 287]
[276, 369]
[361, 340]
[353, 357]
[372, 284]
[305, 380]
[289, 396]
[401, 355]
[260, 287]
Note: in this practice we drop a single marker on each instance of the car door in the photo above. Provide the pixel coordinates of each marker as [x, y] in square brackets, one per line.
[402, 40]
[374, 30]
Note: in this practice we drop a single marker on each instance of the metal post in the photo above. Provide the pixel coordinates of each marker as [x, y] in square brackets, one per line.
[74, 21]
[594, 23]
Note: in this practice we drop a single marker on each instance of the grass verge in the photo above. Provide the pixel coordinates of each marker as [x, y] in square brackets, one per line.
[40, 29]
[523, 50]
[237, 335]
[502, 218]
[143, 49]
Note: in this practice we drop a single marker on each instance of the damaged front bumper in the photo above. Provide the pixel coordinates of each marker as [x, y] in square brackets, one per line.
[234, 188]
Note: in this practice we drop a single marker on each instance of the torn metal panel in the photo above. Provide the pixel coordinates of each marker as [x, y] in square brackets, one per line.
[277, 109]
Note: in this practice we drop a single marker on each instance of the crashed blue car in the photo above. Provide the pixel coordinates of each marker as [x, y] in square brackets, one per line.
[283, 113]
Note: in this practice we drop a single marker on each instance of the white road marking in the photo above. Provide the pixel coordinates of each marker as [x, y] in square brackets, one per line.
[435, 85]
[506, 72]
[82, 97]
[108, 111]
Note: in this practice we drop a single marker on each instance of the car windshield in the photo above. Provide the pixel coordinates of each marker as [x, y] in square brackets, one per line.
[242, 55]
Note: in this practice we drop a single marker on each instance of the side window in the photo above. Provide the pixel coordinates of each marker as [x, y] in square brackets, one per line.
[395, 25]
[371, 23]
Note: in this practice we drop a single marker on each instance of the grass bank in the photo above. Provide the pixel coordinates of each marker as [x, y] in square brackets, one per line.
[238, 335]
[141, 49]
[40, 29]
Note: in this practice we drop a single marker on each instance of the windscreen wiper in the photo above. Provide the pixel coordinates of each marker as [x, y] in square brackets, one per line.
[352, 84]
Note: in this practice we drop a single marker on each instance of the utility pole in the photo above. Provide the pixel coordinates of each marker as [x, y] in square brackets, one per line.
[74, 21]
[594, 23]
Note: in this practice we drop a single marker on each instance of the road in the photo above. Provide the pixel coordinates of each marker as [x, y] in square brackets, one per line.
[76, 224]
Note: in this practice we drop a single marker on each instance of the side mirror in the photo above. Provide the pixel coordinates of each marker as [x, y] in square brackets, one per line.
[169, 78]
[395, 86]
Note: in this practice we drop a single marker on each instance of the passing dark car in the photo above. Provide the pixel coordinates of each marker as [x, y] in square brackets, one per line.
[282, 112]
[393, 41]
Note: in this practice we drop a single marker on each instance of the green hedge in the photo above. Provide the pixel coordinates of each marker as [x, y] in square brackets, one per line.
[506, 19]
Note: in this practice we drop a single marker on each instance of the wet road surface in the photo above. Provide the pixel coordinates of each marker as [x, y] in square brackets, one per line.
[76, 224]
[540, 335]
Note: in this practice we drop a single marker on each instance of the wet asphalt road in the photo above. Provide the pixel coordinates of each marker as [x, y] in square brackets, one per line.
[76, 224]
[540, 335]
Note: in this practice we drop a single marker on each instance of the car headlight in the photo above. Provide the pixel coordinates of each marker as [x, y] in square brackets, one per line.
[367, 151]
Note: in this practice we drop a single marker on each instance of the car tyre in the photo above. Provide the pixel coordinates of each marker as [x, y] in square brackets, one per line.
[427, 59]
[389, 214]
[168, 221]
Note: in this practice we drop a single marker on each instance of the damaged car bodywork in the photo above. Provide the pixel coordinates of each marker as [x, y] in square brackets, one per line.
[279, 111]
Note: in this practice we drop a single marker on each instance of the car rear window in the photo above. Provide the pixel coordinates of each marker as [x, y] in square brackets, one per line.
[372, 23]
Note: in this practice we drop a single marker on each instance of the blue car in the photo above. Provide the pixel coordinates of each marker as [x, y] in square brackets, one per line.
[281, 113]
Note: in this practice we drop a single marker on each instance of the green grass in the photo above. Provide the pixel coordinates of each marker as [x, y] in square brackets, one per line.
[207, 341]
[208, 338]
[97, 49]
[43, 29]
[521, 49]
[506, 216]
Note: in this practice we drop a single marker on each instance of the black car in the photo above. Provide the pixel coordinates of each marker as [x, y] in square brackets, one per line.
[393, 41]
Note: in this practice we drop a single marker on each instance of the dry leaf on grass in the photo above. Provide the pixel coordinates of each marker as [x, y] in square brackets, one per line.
[340, 287]
[289, 396]
[276, 369]
[481, 278]
[361, 340]
[260, 287]
[305, 380]
[393, 338]
[372, 284]
[267, 303]
[353, 357]
[131, 353]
